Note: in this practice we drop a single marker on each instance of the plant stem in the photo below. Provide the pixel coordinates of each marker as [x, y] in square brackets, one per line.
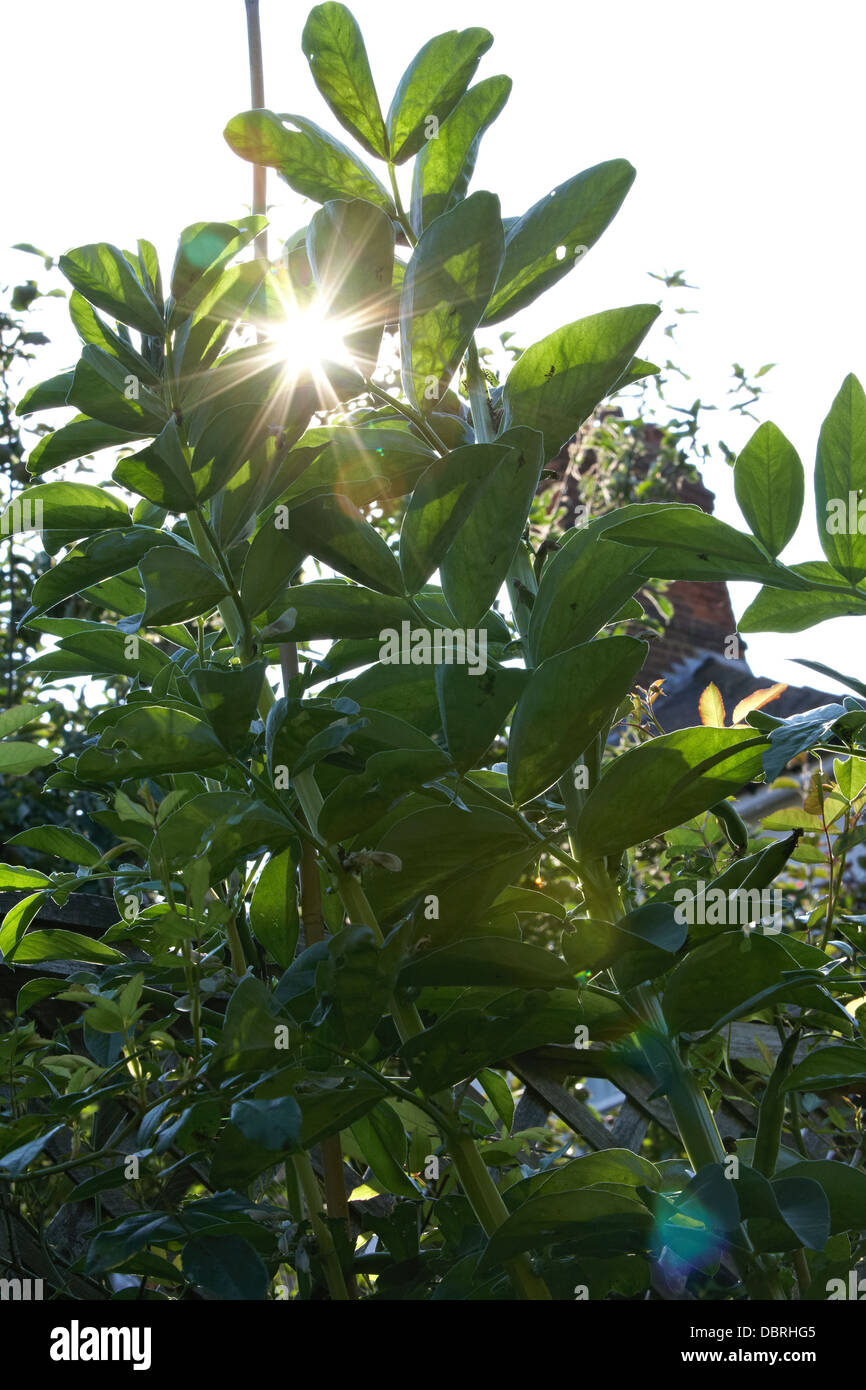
[491, 1211]
[410, 413]
[257, 99]
[479, 401]
[313, 1198]
[398, 204]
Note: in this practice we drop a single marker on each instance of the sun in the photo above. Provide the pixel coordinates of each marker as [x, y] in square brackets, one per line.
[308, 338]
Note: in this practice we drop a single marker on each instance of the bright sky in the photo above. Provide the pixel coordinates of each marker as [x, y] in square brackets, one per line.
[744, 122]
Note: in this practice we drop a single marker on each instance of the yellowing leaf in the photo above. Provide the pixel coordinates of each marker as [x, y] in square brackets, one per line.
[757, 700]
[711, 707]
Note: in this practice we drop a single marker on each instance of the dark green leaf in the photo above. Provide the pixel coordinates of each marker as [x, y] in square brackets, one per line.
[840, 482]
[547, 242]
[431, 87]
[569, 699]
[335, 531]
[443, 497]
[660, 784]
[227, 1266]
[582, 587]
[558, 382]
[80, 437]
[768, 481]
[474, 706]
[104, 276]
[103, 388]
[446, 289]
[274, 917]
[481, 552]
[446, 163]
[487, 960]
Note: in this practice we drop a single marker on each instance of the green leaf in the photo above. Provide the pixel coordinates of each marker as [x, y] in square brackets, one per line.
[665, 782]
[569, 699]
[840, 482]
[78, 508]
[230, 699]
[776, 610]
[431, 87]
[361, 799]
[104, 276]
[48, 395]
[600, 1222]
[100, 557]
[310, 160]
[768, 481]
[202, 251]
[850, 775]
[487, 960]
[382, 1140]
[227, 1266]
[474, 707]
[100, 651]
[366, 464]
[550, 239]
[498, 1092]
[619, 1166]
[160, 473]
[18, 717]
[17, 921]
[445, 165]
[687, 528]
[558, 382]
[354, 984]
[351, 251]
[62, 945]
[92, 329]
[582, 587]
[721, 979]
[481, 552]
[177, 586]
[17, 876]
[829, 1068]
[274, 918]
[16, 1160]
[804, 1208]
[272, 559]
[80, 437]
[333, 1101]
[844, 1187]
[334, 608]
[103, 388]
[17, 759]
[147, 741]
[796, 734]
[227, 442]
[338, 61]
[274, 1123]
[335, 531]
[446, 288]
[59, 841]
[442, 500]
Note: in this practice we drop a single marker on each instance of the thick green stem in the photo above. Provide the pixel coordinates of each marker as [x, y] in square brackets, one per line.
[313, 1199]
[491, 1211]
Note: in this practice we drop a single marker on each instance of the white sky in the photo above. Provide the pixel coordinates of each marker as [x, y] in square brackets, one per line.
[744, 121]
